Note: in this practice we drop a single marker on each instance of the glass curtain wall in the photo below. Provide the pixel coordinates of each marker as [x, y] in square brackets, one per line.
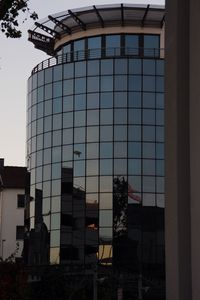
[96, 155]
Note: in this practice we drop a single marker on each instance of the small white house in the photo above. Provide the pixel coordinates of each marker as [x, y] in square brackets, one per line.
[12, 202]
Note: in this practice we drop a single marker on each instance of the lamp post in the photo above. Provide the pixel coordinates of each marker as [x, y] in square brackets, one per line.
[3, 241]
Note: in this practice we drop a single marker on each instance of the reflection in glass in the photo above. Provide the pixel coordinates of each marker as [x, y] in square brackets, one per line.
[92, 150]
[92, 184]
[131, 44]
[106, 100]
[67, 136]
[105, 254]
[106, 83]
[55, 255]
[79, 168]
[106, 150]
[106, 167]
[79, 151]
[92, 199]
[148, 200]
[105, 201]
[105, 184]
[120, 149]
[92, 167]
[55, 238]
[55, 221]
[92, 67]
[94, 47]
[55, 204]
[92, 134]
[55, 187]
[80, 102]
[46, 206]
[105, 235]
[93, 101]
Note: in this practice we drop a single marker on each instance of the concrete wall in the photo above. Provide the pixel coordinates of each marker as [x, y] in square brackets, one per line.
[182, 150]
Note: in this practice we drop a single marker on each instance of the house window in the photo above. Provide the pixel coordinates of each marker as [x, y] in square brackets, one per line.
[20, 201]
[19, 232]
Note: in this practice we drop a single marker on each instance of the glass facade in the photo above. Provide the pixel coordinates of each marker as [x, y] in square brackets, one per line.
[95, 149]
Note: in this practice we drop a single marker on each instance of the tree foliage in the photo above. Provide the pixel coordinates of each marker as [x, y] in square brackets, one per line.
[9, 12]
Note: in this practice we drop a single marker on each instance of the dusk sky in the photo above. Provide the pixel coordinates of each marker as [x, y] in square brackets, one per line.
[17, 59]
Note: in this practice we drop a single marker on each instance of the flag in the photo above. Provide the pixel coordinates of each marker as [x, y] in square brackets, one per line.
[131, 194]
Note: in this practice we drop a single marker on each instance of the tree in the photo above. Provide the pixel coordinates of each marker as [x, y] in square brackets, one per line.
[13, 278]
[9, 12]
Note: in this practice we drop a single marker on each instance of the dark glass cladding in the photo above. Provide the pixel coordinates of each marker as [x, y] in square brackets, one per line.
[96, 156]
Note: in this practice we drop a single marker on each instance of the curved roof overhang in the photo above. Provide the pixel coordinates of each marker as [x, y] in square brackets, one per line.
[54, 28]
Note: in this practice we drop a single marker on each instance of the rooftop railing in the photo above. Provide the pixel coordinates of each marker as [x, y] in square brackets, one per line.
[102, 53]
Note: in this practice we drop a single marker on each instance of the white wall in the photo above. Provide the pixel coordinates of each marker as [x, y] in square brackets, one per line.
[10, 217]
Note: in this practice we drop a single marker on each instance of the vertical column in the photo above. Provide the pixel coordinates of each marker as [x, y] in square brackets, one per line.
[177, 217]
[194, 43]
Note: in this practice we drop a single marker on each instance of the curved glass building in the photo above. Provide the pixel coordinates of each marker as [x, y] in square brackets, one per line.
[95, 143]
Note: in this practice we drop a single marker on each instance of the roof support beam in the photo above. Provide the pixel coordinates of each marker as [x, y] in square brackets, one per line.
[162, 21]
[99, 16]
[77, 20]
[145, 14]
[60, 24]
[122, 14]
[48, 30]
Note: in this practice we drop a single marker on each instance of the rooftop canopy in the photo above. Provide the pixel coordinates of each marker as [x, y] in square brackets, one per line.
[46, 32]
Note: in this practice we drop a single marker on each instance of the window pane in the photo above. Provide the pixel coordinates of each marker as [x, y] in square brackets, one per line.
[120, 66]
[106, 167]
[131, 44]
[68, 71]
[80, 85]
[94, 47]
[112, 45]
[57, 105]
[80, 69]
[93, 134]
[106, 133]
[67, 103]
[92, 150]
[92, 117]
[151, 45]
[93, 67]
[92, 167]
[106, 83]
[79, 135]
[120, 166]
[134, 150]
[106, 116]
[93, 101]
[106, 100]
[134, 166]
[79, 118]
[120, 99]
[92, 184]
[57, 73]
[93, 84]
[120, 149]
[106, 67]
[105, 218]
[106, 150]
[120, 133]
[68, 87]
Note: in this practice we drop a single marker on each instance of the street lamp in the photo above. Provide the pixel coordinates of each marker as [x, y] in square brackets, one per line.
[2, 247]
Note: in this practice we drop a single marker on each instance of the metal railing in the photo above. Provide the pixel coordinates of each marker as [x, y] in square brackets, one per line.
[100, 53]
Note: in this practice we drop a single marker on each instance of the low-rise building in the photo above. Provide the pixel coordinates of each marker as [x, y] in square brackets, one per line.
[12, 201]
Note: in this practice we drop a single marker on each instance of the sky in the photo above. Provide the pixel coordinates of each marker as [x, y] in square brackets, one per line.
[17, 59]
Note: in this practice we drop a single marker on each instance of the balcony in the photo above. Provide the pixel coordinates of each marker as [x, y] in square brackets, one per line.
[102, 53]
